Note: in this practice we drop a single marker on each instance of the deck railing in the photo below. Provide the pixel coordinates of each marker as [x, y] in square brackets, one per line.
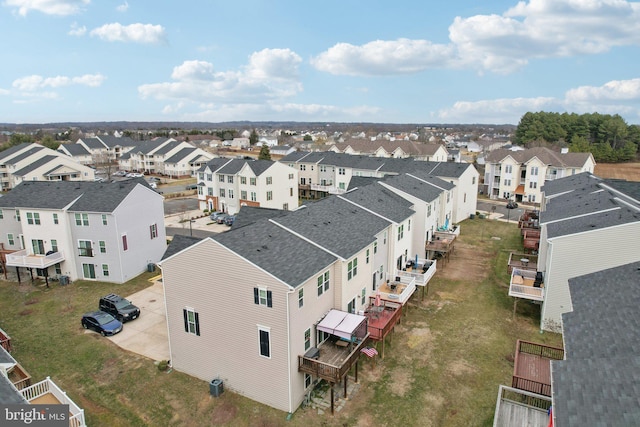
[5, 341]
[48, 386]
[421, 279]
[376, 333]
[524, 290]
[553, 353]
[543, 351]
[509, 395]
[329, 372]
[531, 385]
[24, 259]
[409, 288]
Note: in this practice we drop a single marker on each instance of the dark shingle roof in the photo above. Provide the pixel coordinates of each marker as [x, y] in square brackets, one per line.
[114, 141]
[93, 143]
[232, 168]
[382, 201]
[335, 224]
[180, 155]
[179, 243]
[216, 163]
[4, 154]
[25, 154]
[289, 258]
[251, 214]
[88, 196]
[598, 383]
[415, 187]
[74, 149]
[569, 183]
[260, 166]
[35, 165]
[596, 221]
[169, 144]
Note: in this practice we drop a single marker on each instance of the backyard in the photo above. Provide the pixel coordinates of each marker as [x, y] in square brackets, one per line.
[442, 366]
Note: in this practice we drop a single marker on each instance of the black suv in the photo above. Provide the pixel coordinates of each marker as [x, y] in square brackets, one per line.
[118, 307]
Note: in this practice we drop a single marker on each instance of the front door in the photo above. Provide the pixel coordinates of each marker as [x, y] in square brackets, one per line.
[374, 280]
[399, 264]
[351, 307]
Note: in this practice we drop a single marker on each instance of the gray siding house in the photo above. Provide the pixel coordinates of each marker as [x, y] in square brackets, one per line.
[83, 230]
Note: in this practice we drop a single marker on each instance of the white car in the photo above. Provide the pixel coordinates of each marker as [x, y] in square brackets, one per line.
[120, 173]
[153, 185]
[134, 175]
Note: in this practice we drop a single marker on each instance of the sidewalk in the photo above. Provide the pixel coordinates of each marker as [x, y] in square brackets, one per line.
[181, 220]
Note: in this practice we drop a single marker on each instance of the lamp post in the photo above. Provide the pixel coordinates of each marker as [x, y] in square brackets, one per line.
[190, 228]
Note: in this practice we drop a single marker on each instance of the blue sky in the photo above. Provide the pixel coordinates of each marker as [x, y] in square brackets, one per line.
[459, 61]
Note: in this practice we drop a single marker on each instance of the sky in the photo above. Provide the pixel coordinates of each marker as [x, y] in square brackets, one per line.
[426, 62]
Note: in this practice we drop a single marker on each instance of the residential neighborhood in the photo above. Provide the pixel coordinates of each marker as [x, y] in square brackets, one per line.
[329, 252]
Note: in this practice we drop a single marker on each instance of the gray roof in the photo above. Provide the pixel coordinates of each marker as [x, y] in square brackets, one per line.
[88, 196]
[145, 147]
[630, 188]
[93, 143]
[289, 258]
[576, 203]
[74, 149]
[251, 214]
[114, 141]
[25, 154]
[233, 167]
[35, 165]
[214, 164]
[179, 243]
[569, 183]
[598, 383]
[293, 157]
[362, 181]
[170, 145]
[8, 393]
[260, 166]
[335, 224]
[12, 150]
[382, 201]
[180, 155]
[596, 221]
[414, 187]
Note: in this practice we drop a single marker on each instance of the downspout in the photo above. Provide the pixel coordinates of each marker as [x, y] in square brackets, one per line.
[289, 293]
[546, 285]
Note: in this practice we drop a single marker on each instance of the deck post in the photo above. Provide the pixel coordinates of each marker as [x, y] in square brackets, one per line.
[357, 369]
[346, 378]
[515, 304]
[332, 384]
[18, 273]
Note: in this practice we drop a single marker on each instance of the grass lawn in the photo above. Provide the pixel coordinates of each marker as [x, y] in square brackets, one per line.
[442, 367]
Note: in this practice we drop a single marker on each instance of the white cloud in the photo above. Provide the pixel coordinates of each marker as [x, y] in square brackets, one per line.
[496, 111]
[137, 33]
[35, 82]
[270, 74]
[614, 91]
[49, 7]
[123, 7]
[77, 30]
[384, 57]
[499, 43]
[4, 92]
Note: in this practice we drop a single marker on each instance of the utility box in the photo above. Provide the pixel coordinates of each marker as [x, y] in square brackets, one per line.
[64, 280]
[151, 267]
[216, 387]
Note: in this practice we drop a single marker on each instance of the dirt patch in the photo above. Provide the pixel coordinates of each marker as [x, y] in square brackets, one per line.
[628, 171]
[25, 312]
[460, 367]
[401, 380]
[466, 262]
[224, 413]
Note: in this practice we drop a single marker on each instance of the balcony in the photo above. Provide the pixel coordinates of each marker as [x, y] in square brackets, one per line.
[327, 188]
[24, 259]
[382, 319]
[398, 290]
[422, 272]
[5, 341]
[526, 284]
[521, 408]
[532, 367]
[46, 392]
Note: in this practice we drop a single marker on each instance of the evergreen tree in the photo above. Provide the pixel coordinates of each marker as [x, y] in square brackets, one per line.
[265, 154]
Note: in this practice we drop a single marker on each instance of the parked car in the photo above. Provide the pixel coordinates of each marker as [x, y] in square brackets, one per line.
[153, 185]
[101, 322]
[192, 187]
[134, 175]
[229, 220]
[120, 173]
[511, 204]
[154, 179]
[214, 216]
[121, 308]
[221, 218]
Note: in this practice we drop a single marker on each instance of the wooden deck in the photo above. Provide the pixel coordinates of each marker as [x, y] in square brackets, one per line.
[441, 247]
[520, 408]
[382, 320]
[333, 361]
[516, 260]
[45, 399]
[532, 367]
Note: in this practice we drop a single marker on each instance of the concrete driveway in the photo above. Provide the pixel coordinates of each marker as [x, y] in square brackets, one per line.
[147, 335]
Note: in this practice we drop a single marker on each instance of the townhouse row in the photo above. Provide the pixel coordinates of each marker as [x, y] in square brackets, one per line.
[83, 230]
[263, 305]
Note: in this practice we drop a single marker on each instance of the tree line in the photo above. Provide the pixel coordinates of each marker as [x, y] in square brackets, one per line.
[608, 137]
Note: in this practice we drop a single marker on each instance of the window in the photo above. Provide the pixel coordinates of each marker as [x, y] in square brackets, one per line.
[10, 239]
[252, 181]
[323, 168]
[54, 245]
[253, 196]
[38, 246]
[230, 179]
[367, 257]
[473, 180]
[363, 296]
[125, 244]
[221, 178]
[269, 195]
[534, 170]
[285, 206]
[291, 191]
[58, 269]
[507, 182]
[341, 186]
[104, 219]
[209, 191]
[17, 215]
[507, 169]
[307, 339]
[82, 219]
[303, 181]
[342, 171]
[2, 214]
[84, 248]
[261, 296]
[243, 180]
[243, 195]
[265, 341]
[105, 270]
[269, 180]
[381, 271]
[352, 268]
[230, 193]
[153, 230]
[89, 271]
[323, 283]
[103, 246]
[303, 167]
[384, 241]
[301, 298]
[409, 226]
[290, 176]
[191, 321]
[222, 192]
[375, 247]
[400, 232]
[33, 218]
[55, 218]
[307, 380]
[533, 184]
[209, 177]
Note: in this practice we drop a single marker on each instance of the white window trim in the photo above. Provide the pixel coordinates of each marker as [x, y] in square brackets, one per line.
[268, 330]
